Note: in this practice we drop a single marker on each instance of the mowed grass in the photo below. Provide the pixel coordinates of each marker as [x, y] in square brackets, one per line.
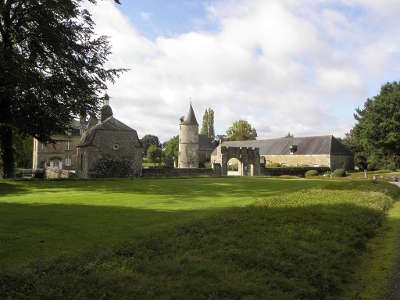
[199, 238]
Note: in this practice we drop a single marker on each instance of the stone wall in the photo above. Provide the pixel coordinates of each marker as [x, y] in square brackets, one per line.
[294, 160]
[292, 171]
[166, 172]
[53, 173]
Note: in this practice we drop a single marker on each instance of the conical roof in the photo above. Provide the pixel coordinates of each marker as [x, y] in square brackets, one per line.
[190, 118]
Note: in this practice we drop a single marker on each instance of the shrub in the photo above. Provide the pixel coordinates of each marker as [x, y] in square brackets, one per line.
[38, 173]
[310, 173]
[339, 173]
[107, 168]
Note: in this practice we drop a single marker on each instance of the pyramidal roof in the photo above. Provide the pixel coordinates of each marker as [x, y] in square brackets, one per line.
[190, 118]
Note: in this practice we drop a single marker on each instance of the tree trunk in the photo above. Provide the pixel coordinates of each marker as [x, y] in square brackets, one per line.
[7, 151]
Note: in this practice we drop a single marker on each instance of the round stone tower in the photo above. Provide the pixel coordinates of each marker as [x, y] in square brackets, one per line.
[188, 141]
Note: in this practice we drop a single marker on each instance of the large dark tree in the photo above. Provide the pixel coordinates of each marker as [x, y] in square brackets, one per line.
[52, 68]
[377, 132]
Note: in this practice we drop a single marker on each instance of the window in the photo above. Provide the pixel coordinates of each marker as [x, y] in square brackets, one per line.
[68, 161]
[41, 146]
[115, 146]
[67, 145]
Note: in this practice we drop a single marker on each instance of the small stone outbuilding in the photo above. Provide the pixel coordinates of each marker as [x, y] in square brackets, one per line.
[109, 148]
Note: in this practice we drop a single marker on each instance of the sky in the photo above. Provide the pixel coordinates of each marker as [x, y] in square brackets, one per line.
[283, 65]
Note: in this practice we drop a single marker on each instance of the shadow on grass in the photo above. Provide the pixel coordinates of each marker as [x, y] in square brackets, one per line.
[7, 188]
[254, 252]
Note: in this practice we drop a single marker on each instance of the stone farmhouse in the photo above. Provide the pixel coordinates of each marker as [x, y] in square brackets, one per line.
[93, 146]
[313, 151]
[89, 143]
[109, 142]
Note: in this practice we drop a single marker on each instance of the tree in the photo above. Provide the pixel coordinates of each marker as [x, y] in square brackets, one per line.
[289, 135]
[377, 131]
[204, 126]
[211, 130]
[154, 153]
[240, 131]
[23, 151]
[207, 127]
[52, 69]
[171, 151]
[149, 140]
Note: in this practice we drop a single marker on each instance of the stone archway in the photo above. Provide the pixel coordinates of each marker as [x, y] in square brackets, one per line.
[248, 157]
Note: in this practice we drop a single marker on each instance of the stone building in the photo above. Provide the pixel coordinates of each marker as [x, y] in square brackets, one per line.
[189, 147]
[58, 155]
[194, 148]
[248, 159]
[321, 151]
[109, 148]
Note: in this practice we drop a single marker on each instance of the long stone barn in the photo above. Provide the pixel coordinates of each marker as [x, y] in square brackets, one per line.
[317, 151]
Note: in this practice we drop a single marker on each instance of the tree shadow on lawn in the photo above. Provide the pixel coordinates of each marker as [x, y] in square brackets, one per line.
[33, 231]
[7, 188]
[254, 252]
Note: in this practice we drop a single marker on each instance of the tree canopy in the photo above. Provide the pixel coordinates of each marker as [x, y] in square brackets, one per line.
[171, 151]
[207, 127]
[376, 135]
[52, 69]
[149, 140]
[240, 131]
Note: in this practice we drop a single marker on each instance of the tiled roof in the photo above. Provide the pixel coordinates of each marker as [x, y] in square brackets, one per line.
[190, 118]
[305, 145]
[205, 143]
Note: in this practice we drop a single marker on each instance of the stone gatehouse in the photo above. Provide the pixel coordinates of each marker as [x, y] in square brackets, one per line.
[248, 160]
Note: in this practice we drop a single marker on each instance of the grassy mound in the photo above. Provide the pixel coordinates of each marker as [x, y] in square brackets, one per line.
[299, 245]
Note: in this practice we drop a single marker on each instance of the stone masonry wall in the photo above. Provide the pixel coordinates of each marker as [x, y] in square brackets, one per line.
[299, 160]
[164, 172]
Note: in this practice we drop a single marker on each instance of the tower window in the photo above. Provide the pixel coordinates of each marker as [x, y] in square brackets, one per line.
[115, 147]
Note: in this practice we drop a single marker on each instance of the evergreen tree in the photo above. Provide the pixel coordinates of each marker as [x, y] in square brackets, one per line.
[376, 134]
[207, 127]
[204, 126]
[52, 68]
[211, 130]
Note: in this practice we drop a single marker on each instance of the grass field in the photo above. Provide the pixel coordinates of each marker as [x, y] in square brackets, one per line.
[200, 238]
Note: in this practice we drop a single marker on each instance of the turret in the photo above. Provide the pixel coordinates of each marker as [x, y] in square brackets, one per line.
[188, 141]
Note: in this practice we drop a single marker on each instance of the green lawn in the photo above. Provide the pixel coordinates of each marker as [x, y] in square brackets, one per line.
[202, 238]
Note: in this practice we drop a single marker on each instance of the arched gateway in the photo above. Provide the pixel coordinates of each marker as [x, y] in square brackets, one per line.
[248, 157]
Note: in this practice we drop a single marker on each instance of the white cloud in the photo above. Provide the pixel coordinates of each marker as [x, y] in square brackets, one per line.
[280, 65]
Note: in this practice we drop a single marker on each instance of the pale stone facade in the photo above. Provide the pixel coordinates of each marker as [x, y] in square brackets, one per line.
[58, 155]
[317, 151]
[248, 160]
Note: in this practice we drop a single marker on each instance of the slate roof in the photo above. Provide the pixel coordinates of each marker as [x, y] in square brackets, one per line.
[110, 124]
[190, 118]
[305, 145]
[205, 143]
